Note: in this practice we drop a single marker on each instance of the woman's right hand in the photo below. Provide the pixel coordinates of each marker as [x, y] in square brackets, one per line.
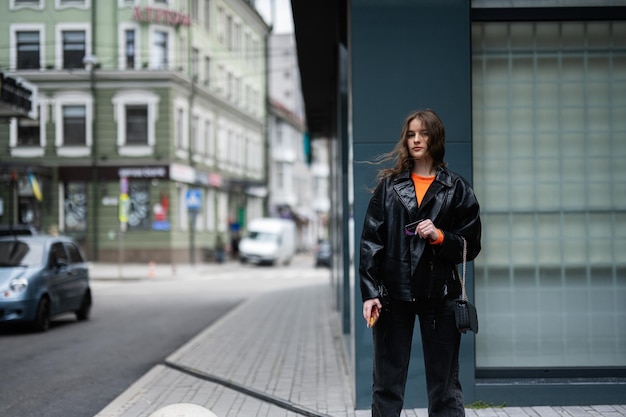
[371, 311]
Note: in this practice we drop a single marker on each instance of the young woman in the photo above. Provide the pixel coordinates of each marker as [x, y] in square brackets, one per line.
[412, 240]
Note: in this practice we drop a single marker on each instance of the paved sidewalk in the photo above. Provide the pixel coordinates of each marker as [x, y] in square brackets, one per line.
[278, 354]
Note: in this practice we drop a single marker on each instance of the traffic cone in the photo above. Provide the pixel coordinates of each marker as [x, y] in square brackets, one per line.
[151, 269]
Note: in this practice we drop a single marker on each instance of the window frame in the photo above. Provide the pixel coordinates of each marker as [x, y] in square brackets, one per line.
[32, 27]
[120, 102]
[73, 4]
[28, 4]
[60, 51]
[122, 44]
[18, 151]
[169, 48]
[73, 99]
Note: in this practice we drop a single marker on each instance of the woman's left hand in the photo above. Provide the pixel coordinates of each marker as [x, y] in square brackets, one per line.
[427, 230]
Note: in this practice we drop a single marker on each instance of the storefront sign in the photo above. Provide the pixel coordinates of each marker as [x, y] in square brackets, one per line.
[17, 96]
[161, 16]
[142, 172]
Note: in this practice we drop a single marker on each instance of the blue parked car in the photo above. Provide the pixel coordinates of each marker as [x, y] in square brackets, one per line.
[323, 253]
[42, 277]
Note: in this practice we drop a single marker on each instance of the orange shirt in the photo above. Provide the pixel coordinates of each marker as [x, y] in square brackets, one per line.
[421, 186]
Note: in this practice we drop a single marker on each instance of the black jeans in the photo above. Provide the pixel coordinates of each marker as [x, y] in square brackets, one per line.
[393, 336]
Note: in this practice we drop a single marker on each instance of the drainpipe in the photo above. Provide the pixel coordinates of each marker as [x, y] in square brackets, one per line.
[91, 61]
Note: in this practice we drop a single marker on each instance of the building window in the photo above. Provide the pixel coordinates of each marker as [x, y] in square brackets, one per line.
[28, 133]
[207, 71]
[549, 122]
[160, 49]
[180, 129]
[129, 36]
[195, 10]
[18, 4]
[74, 47]
[129, 47]
[82, 4]
[136, 116]
[139, 213]
[74, 125]
[28, 54]
[75, 207]
[207, 15]
[137, 125]
[196, 145]
[209, 144]
[195, 63]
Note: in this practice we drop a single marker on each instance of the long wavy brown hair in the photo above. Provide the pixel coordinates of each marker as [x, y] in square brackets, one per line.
[400, 153]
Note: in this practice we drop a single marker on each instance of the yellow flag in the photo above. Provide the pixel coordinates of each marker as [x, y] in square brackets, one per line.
[35, 186]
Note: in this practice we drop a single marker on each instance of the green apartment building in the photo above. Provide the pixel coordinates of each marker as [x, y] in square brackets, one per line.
[148, 138]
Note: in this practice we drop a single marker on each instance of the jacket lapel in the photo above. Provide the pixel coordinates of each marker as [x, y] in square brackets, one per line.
[405, 190]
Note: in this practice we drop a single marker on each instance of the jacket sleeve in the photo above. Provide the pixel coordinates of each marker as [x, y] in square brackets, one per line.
[372, 244]
[466, 224]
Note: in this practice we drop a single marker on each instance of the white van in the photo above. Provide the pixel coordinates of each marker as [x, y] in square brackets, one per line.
[268, 241]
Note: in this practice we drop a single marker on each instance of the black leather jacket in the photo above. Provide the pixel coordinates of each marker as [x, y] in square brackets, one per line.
[410, 267]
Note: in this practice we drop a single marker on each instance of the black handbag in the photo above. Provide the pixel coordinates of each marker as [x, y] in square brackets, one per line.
[464, 311]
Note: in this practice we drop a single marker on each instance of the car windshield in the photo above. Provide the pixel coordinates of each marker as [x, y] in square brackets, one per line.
[263, 237]
[18, 253]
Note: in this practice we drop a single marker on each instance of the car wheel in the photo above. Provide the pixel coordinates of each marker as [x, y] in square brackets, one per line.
[42, 319]
[82, 313]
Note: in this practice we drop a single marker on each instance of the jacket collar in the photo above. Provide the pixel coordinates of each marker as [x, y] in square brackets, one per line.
[403, 185]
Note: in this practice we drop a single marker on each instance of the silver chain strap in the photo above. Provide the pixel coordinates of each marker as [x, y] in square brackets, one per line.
[464, 294]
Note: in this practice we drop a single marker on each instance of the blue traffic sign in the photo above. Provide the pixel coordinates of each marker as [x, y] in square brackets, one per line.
[193, 199]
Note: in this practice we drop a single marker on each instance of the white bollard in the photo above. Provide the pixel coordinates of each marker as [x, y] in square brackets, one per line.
[183, 410]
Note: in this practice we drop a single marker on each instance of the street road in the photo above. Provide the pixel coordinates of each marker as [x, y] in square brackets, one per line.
[77, 368]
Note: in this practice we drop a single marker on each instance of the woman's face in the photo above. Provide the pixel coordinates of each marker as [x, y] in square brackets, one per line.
[417, 140]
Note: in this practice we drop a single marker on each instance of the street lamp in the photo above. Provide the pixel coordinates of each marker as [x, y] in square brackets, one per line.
[91, 62]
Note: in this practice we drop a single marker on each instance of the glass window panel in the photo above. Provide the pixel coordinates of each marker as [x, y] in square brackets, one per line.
[548, 252]
[522, 145]
[522, 118]
[572, 35]
[598, 68]
[547, 68]
[619, 34]
[498, 196]
[573, 69]
[618, 168]
[573, 169]
[549, 197]
[521, 36]
[598, 35]
[497, 252]
[574, 137]
[519, 226]
[599, 196]
[571, 195]
[547, 169]
[547, 95]
[547, 36]
[496, 69]
[74, 125]
[598, 119]
[618, 120]
[496, 148]
[523, 252]
[597, 93]
[496, 94]
[137, 125]
[549, 143]
[599, 170]
[600, 145]
[522, 69]
[522, 197]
